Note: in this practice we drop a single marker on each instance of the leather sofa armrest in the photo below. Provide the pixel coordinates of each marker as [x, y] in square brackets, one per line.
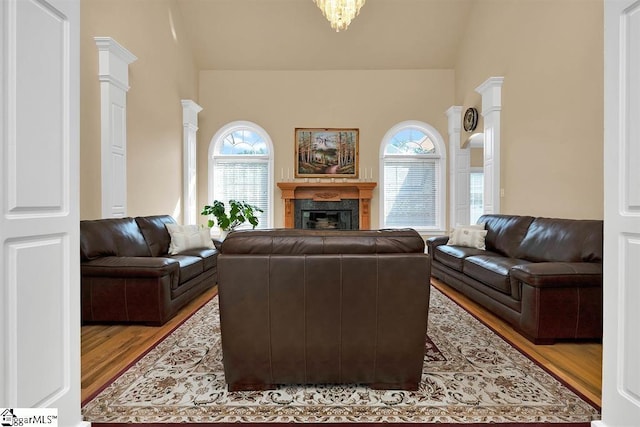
[433, 242]
[559, 274]
[218, 244]
[130, 267]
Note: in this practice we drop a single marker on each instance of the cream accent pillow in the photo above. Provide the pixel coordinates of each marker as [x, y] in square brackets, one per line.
[471, 236]
[185, 237]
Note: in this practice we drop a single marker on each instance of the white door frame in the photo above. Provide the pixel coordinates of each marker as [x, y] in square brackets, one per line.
[621, 343]
[39, 207]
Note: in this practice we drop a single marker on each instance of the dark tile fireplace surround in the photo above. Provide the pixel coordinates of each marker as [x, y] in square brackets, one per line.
[342, 215]
[327, 204]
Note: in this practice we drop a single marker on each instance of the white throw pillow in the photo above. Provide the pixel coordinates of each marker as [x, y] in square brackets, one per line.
[471, 236]
[185, 237]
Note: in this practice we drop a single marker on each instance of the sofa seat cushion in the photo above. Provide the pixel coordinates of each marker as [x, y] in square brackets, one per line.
[209, 256]
[453, 256]
[190, 267]
[492, 271]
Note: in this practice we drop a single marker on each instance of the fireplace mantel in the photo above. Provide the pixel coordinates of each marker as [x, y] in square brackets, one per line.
[329, 192]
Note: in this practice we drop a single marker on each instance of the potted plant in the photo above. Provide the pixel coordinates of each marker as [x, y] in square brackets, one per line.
[239, 213]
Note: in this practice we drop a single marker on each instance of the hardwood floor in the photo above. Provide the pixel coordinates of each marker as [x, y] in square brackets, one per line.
[109, 349]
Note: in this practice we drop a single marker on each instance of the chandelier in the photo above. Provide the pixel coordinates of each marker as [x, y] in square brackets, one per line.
[340, 13]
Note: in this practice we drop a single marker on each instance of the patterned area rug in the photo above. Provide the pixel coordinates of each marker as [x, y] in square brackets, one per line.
[470, 375]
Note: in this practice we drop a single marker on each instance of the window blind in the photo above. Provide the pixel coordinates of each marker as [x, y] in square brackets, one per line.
[410, 189]
[476, 194]
[243, 180]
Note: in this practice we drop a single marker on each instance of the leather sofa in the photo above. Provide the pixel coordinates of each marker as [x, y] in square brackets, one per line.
[127, 274]
[542, 275]
[323, 306]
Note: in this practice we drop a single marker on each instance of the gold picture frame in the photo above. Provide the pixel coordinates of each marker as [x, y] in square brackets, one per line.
[326, 152]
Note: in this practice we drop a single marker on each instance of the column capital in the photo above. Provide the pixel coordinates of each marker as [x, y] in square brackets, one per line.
[190, 112]
[491, 91]
[113, 62]
[454, 114]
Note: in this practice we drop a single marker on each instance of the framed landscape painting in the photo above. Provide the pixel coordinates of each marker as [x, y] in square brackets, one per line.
[326, 153]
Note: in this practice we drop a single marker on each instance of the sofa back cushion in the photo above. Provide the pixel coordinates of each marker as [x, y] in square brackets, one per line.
[563, 240]
[295, 241]
[155, 233]
[111, 237]
[505, 232]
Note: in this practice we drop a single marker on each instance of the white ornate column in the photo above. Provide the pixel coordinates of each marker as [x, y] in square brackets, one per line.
[459, 168]
[190, 112]
[113, 72]
[491, 91]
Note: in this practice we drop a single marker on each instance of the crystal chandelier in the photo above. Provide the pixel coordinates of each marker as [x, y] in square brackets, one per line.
[340, 13]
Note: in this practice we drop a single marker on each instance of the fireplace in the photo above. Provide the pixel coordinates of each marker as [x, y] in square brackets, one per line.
[342, 215]
[334, 201]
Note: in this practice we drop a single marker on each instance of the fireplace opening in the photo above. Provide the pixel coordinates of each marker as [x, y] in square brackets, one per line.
[327, 215]
[319, 219]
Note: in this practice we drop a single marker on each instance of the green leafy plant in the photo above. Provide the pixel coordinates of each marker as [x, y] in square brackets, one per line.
[239, 213]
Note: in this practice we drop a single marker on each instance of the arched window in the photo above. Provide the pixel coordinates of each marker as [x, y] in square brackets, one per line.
[240, 168]
[413, 177]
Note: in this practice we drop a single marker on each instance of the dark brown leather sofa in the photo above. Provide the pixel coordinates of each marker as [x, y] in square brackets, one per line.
[314, 306]
[542, 275]
[127, 274]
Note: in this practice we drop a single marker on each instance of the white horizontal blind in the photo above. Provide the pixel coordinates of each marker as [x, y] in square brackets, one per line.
[243, 180]
[476, 193]
[410, 192]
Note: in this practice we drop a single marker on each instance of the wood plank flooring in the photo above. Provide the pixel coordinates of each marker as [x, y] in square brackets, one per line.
[109, 349]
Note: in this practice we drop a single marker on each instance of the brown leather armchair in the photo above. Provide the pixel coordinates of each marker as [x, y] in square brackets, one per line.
[313, 306]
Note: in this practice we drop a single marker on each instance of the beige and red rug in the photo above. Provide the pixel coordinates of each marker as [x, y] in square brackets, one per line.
[470, 375]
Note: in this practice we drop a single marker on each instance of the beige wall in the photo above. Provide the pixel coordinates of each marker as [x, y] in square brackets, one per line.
[164, 74]
[280, 101]
[550, 54]
[476, 158]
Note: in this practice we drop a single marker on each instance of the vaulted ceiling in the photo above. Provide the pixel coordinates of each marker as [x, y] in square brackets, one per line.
[294, 35]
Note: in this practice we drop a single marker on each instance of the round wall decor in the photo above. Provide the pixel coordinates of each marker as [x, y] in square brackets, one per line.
[470, 120]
